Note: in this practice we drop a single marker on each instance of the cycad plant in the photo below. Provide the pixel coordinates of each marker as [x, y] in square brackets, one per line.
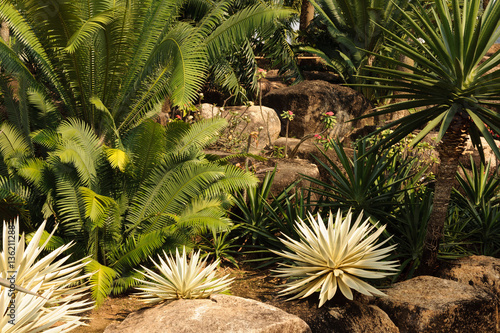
[112, 63]
[182, 278]
[450, 88]
[338, 255]
[57, 292]
[124, 204]
[347, 29]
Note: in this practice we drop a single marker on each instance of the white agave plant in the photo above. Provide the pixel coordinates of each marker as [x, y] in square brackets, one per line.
[56, 294]
[337, 256]
[182, 278]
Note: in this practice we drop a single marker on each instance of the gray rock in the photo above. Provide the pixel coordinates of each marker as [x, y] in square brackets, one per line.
[430, 304]
[219, 314]
[308, 100]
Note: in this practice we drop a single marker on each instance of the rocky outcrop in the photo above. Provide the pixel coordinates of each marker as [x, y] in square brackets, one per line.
[430, 304]
[219, 314]
[477, 271]
[309, 100]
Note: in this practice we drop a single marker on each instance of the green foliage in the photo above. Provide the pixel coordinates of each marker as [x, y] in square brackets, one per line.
[368, 182]
[345, 32]
[448, 79]
[165, 195]
[113, 63]
[474, 223]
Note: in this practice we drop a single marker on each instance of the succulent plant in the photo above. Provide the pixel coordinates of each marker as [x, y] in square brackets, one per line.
[181, 278]
[49, 292]
[336, 256]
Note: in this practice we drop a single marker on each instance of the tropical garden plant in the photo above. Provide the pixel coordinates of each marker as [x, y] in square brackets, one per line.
[182, 278]
[112, 63]
[344, 32]
[52, 294]
[449, 87]
[336, 255]
[122, 205]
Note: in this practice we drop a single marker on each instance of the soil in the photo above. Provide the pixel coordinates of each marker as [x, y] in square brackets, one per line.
[248, 283]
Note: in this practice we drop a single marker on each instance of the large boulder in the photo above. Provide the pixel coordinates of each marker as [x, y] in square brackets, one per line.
[356, 317]
[309, 100]
[478, 271]
[219, 314]
[288, 171]
[430, 304]
[263, 122]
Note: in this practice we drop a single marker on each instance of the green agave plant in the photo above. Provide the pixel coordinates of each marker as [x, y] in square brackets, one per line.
[50, 291]
[336, 256]
[182, 278]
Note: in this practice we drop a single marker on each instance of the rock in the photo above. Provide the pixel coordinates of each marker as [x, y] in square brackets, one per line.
[209, 111]
[220, 313]
[288, 171]
[430, 304]
[355, 317]
[488, 154]
[477, 271]
[310, 99]
[267, 119]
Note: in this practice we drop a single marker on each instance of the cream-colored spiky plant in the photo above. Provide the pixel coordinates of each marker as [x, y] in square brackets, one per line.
[336, 256]
[49, 292]
[182, 278]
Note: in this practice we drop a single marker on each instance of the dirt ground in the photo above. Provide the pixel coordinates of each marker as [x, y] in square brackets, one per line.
[257, 285]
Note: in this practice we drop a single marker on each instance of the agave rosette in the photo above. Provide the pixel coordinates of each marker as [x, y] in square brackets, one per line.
[336, 256]
[181, 277]
[50, 292]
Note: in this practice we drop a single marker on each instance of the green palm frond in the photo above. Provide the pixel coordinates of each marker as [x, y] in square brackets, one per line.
[101, 280]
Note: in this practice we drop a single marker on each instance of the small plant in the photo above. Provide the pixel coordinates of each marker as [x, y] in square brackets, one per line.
[51, 293]
[336, 256]
[288, 115]
[181, 279]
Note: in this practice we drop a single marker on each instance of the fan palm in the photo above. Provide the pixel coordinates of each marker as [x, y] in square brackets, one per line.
[156, 190]
[111, 63]
[451, 87]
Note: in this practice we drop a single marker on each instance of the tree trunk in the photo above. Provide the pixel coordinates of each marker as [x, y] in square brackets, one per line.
[4, 32]
[449, 149]
[485, 3]
[306, 15]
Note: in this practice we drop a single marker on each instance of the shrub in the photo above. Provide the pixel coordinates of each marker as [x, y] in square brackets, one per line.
[335, 256]
[56, 294]
[181, 278]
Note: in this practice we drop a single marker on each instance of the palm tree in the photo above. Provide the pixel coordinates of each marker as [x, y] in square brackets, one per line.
[121, 205]
[448, 88]
[114, 62]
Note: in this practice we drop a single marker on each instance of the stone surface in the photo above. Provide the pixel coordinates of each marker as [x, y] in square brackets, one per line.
[310, 99]
[220, 314]
[257, 118]
[430, 304]
[287, 172]
[209, 111]
[478, 271]
[355, 317]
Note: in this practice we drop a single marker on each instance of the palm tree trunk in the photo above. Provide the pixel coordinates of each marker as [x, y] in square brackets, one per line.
[306, 15]
[449, 149]
[4, 32]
